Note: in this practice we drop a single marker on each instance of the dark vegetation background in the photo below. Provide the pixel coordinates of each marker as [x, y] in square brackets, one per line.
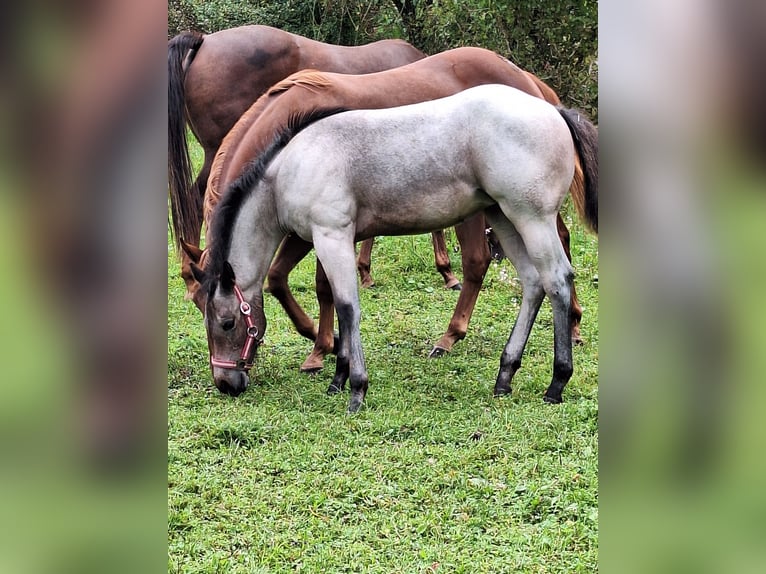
[556, 40]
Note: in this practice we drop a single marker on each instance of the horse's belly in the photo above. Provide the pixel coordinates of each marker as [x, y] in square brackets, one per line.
[415, 211]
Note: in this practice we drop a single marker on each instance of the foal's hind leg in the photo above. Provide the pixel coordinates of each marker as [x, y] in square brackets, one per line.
[576, 311]
[546, 253]
[532, 297]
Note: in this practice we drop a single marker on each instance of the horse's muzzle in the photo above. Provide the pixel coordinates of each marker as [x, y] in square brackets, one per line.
[234, 384]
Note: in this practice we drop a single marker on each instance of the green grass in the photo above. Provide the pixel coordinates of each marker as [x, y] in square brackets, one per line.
[432, 471]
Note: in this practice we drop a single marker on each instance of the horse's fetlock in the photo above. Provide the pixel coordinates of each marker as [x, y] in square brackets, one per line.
[562, 371]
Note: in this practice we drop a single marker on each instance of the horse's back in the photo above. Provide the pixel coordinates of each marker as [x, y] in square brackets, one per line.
[234, 67]
[445, 125]
[434, 77]
[455, 155]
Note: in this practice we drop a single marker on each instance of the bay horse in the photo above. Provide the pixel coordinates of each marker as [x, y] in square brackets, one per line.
[433, 77]
[355, 174]
[213, 79]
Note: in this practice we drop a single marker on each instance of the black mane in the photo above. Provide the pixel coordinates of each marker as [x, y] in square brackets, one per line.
[222, 224]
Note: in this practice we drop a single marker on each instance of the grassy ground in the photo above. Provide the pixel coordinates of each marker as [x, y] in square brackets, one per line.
[432, 475]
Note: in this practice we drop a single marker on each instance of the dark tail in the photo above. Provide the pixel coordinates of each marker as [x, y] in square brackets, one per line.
[184, 205]
[584, 194]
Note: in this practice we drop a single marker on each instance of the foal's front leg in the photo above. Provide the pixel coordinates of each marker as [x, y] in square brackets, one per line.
[291, 252]
[335, 250]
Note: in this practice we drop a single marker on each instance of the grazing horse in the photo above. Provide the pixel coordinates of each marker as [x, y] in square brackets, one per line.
[213, 79]
[405, 170]
[436, 76]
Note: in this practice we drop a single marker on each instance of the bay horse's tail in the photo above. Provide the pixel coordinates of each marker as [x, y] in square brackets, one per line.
[584, 188]
[183, 202]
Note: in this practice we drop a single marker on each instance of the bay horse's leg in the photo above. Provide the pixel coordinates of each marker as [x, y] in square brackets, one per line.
[325, 342]
[190, 251]
[441, 259]
[200, 185]
[363, 263]
[291, 252]
[475, 255]
[576, 308]
[335, 250]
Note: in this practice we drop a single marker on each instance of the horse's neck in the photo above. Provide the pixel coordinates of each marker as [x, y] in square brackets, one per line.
[255, 238]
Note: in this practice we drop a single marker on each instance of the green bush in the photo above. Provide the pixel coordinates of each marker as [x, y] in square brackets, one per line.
[557, 40]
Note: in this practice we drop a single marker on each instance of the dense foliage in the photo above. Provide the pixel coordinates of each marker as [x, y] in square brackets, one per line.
[557, 39]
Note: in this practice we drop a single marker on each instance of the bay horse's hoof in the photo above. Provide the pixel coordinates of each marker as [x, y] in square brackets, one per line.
[367, 283]
[310, 370]
[553, 400]
[576, 337]
[312, 365]
[437, 352]
[453, 284]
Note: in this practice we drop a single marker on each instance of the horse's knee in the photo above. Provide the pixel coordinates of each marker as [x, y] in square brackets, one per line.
[276, 281]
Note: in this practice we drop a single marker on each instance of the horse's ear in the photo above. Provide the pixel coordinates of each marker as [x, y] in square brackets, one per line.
[227, 277]
[197, 272]
[192, 251]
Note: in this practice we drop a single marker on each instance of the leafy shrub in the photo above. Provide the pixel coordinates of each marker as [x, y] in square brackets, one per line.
[557, 40]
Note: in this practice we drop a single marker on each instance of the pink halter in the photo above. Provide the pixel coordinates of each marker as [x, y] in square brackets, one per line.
[247, 356]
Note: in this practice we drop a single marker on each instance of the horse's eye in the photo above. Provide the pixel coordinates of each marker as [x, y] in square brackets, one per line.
[228, 324]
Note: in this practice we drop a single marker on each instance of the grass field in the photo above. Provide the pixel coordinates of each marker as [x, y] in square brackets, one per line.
[432, 475]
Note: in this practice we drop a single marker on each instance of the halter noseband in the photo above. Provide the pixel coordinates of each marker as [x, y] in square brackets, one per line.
[246, 357]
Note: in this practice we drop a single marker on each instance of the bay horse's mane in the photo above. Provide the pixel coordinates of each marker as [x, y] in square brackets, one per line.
[307, 78]
[222, 224]
[310, 79]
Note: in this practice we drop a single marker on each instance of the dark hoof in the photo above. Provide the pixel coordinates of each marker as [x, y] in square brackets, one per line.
[334, 389]
[354, 404]
[457, 287]
[501, 391]
[437, 352]
[553, 400]
[577, 341]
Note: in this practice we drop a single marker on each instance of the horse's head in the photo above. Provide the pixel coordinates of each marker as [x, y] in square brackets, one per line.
[191, 254]
[234, 328]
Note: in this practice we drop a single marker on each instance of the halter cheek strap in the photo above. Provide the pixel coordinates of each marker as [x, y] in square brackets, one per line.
[247, 356]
